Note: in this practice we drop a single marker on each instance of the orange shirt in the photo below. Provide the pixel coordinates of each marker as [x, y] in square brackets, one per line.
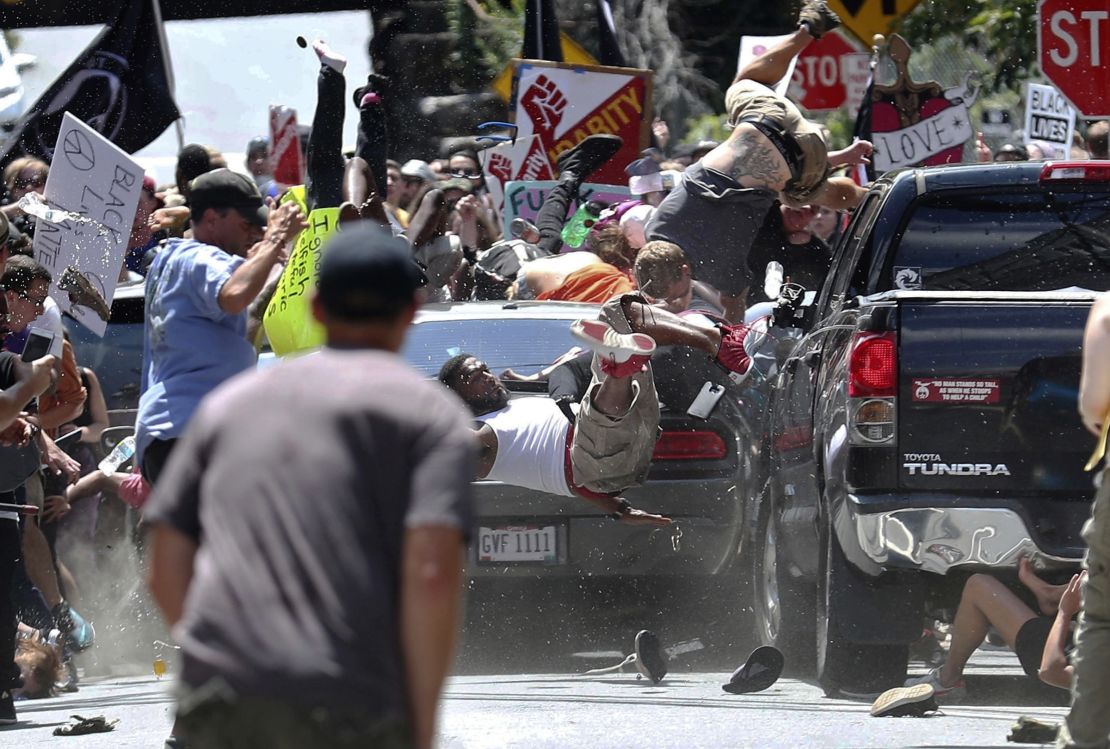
[598, 283]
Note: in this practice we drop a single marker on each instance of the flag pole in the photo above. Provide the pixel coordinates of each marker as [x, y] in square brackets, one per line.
[180, 129]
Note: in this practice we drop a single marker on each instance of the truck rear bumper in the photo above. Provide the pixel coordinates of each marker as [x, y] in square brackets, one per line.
[936, 539]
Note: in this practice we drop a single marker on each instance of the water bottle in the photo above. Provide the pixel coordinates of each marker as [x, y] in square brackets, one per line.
[122, 453]
[575, 231]
[772, 281]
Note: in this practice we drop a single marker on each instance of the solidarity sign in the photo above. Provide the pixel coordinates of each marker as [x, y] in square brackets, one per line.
[91, 177]
[562, 104]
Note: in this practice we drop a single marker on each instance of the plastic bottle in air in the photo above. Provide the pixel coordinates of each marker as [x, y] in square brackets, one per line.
[579, 225]
[122, 453]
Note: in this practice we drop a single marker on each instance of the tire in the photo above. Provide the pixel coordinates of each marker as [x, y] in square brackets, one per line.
[843, 665]
[783, 610]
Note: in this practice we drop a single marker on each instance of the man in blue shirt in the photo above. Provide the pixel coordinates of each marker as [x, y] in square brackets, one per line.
[197, 295]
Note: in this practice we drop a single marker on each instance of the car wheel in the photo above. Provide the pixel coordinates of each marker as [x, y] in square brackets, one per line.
[844, 665]
[783, 612]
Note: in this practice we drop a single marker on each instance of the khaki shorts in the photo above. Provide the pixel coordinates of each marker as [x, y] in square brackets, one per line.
[751, 99]
[608, 455]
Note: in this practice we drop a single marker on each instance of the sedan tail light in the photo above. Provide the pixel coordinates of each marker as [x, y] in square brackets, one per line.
[702, 445]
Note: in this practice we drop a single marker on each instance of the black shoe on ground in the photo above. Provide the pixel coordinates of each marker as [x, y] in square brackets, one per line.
[7, 708]
[816, 18]
[762, 669]
[649, 656]
[591, 152]
[899, 702]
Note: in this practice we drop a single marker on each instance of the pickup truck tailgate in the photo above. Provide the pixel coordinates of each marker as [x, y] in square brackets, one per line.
[987, 397]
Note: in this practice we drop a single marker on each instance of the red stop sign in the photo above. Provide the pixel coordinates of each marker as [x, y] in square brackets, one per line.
[818, 75]
[1073, 43]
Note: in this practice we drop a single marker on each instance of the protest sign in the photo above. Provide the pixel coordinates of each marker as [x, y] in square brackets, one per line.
[290, 326]
[918, 123]
[285, 151]
[523, 199]
[92, 177]
[562, 104]
[526, 159]
[1049, 118]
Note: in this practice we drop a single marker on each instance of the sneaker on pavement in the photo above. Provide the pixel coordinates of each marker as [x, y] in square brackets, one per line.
[816, 18]
[7, 708]
[899, 702]
[590, 153]
[607, 343]
[933, 679]
[650, 660]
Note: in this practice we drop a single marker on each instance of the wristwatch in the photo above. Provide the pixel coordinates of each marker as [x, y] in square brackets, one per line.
[623, 508]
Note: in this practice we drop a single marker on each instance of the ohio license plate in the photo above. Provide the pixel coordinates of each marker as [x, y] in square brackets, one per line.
[519, 543]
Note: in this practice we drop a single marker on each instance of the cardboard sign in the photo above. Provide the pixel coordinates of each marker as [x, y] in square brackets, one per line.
[918, 123]
[288, 319]
[513, 162]
[285, 153]
[1049, 118]
[90, 176]
[957, 391]
[523, 199]
[563, 104]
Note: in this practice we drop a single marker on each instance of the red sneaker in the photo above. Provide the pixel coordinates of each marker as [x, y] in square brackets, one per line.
[732, 355]
[608, 344]
[633, 365]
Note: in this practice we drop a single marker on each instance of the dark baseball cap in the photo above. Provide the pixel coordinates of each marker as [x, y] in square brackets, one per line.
[367, 273]
[223, 188]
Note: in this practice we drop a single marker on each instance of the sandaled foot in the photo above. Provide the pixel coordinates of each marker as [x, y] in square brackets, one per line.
[591, 152]
[817, 19]
[375, 84]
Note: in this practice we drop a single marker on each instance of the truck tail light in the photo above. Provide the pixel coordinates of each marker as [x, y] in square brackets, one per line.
[1076, 171]
[703, 445]
[873, 366]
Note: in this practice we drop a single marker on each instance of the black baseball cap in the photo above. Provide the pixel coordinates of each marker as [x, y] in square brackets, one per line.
[223, 188]
[367, 273]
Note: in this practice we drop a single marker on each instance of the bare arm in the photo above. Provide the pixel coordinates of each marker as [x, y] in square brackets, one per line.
[34, 379]
[1094, 382]
[857, 153]
[171, 570]
[286, 221]
[257, 309]
[431, 573]
[98, 410]
[1055, 669]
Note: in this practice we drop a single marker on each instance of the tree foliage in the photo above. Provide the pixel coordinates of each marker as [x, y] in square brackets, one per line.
[1003, 33]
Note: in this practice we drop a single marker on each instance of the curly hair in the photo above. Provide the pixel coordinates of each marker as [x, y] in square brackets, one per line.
[452, 368]
[44, 664]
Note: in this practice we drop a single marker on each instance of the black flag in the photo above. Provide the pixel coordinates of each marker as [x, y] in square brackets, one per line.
[118, 86]
[541, 32]
[608, 51]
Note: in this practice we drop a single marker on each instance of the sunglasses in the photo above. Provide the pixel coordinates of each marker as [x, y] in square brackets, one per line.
[465, 174]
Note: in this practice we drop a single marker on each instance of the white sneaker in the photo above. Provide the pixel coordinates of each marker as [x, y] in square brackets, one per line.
[607, 343]
[939, 690]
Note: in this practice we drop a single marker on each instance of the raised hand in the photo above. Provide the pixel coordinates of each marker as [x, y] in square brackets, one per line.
[1073, 598]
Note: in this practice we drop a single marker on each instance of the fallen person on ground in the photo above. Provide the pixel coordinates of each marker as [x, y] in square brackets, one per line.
[530, 441]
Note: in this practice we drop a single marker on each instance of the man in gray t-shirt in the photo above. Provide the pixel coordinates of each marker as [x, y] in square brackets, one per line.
[309, 530]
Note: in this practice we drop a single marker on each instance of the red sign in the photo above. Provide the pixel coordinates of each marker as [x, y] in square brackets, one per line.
[819, 74]
[562, 104]
[285, 150]
[956, 391]
[1073, 43]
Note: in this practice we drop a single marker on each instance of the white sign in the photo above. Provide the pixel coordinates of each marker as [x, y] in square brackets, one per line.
[92, 177]
[752, 47]
[945, 129]
[855, 72]
[1049, 118]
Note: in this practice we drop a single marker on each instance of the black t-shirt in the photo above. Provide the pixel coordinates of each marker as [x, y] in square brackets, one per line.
[806, 264]
[9, 369]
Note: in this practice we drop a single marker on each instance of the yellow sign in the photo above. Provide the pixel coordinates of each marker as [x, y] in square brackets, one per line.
[865, 18]
[573, 54]
[288, 320]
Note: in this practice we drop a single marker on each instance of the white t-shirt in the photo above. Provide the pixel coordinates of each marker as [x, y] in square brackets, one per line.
[531, 445]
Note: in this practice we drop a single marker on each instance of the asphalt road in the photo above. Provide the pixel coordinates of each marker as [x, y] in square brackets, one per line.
[688, 709]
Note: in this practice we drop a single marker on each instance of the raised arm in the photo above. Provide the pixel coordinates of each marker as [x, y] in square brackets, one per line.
[1055, 669]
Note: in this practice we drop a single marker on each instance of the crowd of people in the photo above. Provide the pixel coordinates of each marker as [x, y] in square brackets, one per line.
[360, 597]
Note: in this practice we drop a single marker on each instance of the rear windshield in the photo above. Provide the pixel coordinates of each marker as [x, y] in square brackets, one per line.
[520, 344]
[1036, 241]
